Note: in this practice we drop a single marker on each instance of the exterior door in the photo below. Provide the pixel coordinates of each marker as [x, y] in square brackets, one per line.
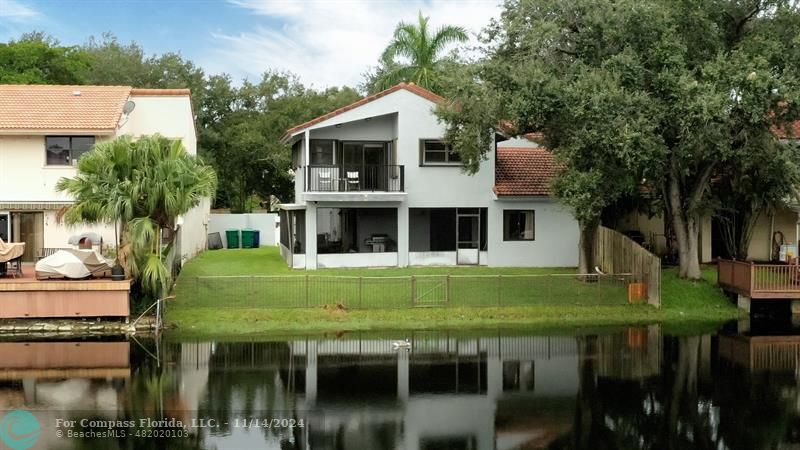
[28, 227]
[468, 236]
[5, 226]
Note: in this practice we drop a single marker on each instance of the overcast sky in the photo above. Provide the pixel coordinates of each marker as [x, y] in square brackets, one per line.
[325, 42]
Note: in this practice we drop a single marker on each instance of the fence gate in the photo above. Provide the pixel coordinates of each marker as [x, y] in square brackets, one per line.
[430, 290]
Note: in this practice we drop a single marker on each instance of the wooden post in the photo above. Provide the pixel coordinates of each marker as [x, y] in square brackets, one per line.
[307, 291]
[413, 290]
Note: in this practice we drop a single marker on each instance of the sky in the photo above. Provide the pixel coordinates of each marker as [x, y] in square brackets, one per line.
[325, 42]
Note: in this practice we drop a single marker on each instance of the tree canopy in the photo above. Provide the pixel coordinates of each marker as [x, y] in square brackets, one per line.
[633, 94]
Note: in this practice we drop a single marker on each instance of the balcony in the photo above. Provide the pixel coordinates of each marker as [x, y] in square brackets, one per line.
[357, 182]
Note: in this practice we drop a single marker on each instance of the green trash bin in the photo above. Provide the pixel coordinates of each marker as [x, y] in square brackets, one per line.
[248, 238]
[232, 236]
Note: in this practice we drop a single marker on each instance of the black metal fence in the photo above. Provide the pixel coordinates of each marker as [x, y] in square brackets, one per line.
[355, 178]
[310, 291]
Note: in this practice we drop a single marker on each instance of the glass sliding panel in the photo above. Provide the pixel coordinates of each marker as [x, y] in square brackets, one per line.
[322, 151]
[57, 151]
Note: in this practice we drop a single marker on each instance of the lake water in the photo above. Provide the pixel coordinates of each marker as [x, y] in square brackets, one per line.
[626, 388]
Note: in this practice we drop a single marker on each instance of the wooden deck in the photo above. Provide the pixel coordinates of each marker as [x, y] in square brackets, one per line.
[26, 297]
[759, 281]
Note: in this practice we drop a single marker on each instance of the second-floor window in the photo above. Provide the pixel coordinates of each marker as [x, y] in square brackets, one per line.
[436, 152]
[66, 150]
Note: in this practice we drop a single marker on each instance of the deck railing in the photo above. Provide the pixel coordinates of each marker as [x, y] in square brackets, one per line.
[759, 280]
[355, 178]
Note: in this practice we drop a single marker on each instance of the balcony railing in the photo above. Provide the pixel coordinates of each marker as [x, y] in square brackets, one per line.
[360, 178]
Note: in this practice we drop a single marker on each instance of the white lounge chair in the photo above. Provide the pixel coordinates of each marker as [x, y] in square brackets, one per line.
[353, 182]
[324, 182]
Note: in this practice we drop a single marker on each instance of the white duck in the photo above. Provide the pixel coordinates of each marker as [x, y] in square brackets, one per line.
[397, 345]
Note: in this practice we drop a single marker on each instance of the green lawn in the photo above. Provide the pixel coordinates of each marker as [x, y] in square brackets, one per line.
[337, 299]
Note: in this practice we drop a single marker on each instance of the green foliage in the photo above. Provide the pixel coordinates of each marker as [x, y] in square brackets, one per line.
[36, 58]
[143, 185]
[665, 91]
[415, 55]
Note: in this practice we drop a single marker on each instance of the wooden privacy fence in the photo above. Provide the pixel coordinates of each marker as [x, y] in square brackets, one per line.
[616, 253]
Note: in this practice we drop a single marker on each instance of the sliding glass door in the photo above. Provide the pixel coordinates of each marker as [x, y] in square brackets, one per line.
[28, 227]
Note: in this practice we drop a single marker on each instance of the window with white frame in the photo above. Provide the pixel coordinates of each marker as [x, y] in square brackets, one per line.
[518, 225]
[436, 152]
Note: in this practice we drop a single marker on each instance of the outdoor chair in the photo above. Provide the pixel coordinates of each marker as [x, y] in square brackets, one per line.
[324, 182]
[14, 267]
[352, 181]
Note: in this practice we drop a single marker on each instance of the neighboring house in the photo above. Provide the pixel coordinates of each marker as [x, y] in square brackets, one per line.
[43, 132]
[375, 185]
[772, 229]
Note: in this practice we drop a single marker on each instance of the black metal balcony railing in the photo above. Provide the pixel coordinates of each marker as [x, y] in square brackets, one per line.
[361, 178]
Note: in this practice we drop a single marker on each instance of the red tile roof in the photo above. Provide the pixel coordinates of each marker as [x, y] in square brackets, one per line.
[144, 92]
[48, 107]
[411, 87]
[781, 133]
[524, 171]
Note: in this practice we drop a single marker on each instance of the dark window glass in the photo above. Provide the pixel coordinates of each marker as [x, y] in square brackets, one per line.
[321, 151]
[437, 152]
[66, 150]
[518, 225]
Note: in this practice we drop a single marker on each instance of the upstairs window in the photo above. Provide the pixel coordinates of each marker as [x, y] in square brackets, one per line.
[66, 150]
[435, 152]
[518, 225]
[322, 151]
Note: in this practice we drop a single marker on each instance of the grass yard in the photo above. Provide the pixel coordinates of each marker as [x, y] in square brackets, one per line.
[262, 295]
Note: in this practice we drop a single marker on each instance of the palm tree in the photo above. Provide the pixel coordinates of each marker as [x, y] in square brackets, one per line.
[144, 186]
[421, 50]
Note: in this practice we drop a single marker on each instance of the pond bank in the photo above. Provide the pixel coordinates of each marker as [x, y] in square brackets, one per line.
[73, 327]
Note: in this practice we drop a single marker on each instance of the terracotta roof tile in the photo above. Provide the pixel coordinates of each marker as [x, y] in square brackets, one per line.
[781, 133]
[411, 87]
[524, 171]
[143, 92]
[48, 107]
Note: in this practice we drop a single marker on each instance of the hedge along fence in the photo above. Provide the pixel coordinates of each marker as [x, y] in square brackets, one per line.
[307, 291]
[615, 252]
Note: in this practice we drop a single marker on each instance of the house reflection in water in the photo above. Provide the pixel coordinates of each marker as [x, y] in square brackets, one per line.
[447, 393]
[52, 377]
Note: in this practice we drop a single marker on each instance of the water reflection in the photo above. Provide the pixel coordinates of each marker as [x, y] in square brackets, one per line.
[624, 388]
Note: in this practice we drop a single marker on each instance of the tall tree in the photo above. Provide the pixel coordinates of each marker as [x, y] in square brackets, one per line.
[415, 54]
[143, 185]
[37, 58]
[696, 83]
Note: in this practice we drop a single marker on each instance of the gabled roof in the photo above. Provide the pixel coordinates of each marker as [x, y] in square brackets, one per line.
[527, 171]
[47, 107]
[54, 108]
[410, 87]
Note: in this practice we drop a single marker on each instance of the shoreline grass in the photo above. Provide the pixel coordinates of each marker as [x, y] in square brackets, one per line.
[685, 304]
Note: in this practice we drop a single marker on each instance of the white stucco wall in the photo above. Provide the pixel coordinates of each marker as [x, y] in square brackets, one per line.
[555, 241]
[24, 176]
[263, 222]
[171, 116]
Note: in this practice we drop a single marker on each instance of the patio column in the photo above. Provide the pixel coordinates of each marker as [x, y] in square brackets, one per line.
[307, 147]
[311, 236]
[743, 302]
[402, 235]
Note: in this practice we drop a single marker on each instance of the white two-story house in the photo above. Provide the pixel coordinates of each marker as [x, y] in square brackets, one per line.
[375, 185]
[44, 130]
